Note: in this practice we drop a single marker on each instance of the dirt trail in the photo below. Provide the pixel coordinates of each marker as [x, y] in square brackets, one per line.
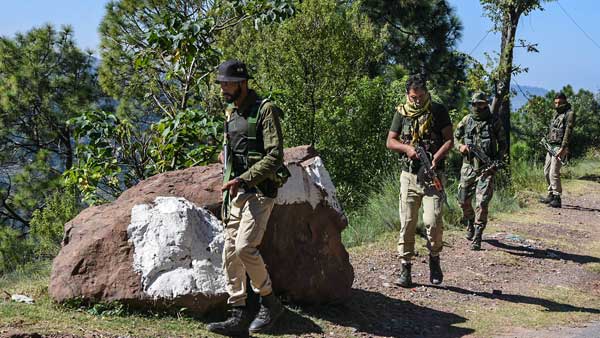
[538, 275]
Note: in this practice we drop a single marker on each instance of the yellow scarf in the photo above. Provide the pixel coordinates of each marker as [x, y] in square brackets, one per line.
[412, 112]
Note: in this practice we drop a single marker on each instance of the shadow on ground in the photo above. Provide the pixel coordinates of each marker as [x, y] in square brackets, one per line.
[521, 250]
[579, 208]
[376, 314]
[594, 178]
[551, 306]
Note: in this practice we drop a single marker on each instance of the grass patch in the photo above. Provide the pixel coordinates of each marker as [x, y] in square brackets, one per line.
[47, 317]
[545, 308]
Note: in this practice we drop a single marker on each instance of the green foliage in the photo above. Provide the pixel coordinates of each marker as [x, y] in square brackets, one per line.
[45, 81]
[47, 224]
[114, 154]
[421, 36]
[158, 53]
[14, 250]
[104, 144]
[324, 87]
[190, 138]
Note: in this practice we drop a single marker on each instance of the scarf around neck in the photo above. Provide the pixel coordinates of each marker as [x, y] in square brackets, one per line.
[410, 111]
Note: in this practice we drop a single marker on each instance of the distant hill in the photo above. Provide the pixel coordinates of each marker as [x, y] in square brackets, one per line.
[520, 100]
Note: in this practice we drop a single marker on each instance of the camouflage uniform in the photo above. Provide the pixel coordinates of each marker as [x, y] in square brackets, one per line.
[559, 135]
[485, 131]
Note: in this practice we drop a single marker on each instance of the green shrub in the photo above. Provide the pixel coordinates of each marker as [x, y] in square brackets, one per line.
[47, 224]
[14, 250]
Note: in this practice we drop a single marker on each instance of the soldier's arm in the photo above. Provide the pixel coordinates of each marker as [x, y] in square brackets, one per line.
[445, 148]
[273, 143]
[501, 139]
[568, 129]
[459, 134]
[395, 145]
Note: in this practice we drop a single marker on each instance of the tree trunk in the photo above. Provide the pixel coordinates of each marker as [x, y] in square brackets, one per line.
[501, 102]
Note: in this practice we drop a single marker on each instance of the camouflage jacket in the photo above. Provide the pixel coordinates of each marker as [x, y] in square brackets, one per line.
[561, 127]
[487, 134]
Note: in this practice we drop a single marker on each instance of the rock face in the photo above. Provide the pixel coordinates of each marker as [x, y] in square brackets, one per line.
[159, 244]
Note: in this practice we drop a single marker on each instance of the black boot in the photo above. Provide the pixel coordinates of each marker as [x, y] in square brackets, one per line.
[556, 202]
[270, 309]
[237, 324]
[470, 229]
[435, 270]
[405, 279]
[547, 199]
[476, 244]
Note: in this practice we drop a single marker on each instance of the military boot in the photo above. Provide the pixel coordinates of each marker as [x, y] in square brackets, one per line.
[476, 244]
[556, 202]
[470, 229]
[405, 279]
[236, 325]
[547, 199]
[435, 270]
[270, 309]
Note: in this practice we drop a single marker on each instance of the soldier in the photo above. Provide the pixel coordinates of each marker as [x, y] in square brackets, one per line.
[559, 135]
[253, 155]
[480, 138]
[420, 122]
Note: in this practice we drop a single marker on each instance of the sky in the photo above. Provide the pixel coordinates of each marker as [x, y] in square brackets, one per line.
[566, 55]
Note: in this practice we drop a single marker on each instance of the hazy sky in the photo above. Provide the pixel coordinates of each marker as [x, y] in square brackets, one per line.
[566, 55]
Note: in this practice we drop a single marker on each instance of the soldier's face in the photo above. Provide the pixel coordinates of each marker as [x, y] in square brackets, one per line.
[417, 96]
[480, 106]
[558, 102]
[231, 91]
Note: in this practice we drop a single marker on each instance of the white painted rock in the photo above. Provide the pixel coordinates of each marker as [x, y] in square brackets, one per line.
[159, 244]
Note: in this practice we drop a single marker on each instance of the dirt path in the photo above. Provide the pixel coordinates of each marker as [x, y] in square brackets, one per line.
[539, 270]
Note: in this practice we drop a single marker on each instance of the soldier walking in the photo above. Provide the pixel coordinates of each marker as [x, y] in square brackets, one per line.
[253, 156]
[481, 140]
[559, 135]
[420, 122]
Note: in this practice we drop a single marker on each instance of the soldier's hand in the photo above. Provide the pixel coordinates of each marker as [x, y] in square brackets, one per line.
[411, 153]
[221, 158]
[562, 152]
[433, 163]
[463, 149]
[233, 186]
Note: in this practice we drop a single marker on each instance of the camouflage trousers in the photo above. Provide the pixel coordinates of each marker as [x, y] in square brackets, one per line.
[472, 185]
[552, 173]
[412, 195]
[244, 231]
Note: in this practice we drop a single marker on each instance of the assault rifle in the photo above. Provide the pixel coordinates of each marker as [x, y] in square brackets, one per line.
[429, 174]
[551, 150]
[227, 171]
[485, 160]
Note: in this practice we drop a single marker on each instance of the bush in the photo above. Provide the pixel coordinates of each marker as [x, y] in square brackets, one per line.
[47, 224]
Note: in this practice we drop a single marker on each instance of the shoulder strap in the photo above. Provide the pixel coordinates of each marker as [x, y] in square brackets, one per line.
[252, 120]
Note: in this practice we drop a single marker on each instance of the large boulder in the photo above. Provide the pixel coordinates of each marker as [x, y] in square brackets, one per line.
[159, 244]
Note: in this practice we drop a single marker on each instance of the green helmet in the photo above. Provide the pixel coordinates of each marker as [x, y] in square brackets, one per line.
[479, 97]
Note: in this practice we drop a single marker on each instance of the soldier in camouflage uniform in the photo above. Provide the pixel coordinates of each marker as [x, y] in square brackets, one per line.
[420, 122]
[252, 162]
[559, 135]
[481, 129]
